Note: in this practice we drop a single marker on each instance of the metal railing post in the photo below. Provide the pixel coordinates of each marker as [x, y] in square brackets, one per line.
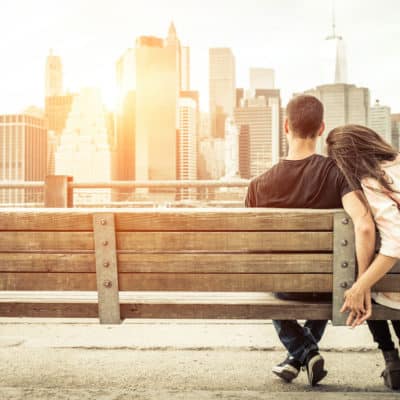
[58, 192]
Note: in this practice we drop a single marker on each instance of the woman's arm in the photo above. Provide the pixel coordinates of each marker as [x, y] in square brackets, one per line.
[364, 230]
[387, 218]
[377, 270]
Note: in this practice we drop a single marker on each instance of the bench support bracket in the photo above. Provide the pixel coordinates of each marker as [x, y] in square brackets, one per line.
[106, 268]
[344, 264]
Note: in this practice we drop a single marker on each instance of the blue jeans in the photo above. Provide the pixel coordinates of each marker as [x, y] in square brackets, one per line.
[300, 340]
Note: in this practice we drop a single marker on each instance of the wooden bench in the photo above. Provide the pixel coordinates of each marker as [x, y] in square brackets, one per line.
[185, 263]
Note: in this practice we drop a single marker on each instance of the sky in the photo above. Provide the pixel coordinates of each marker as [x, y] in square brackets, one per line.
[287, 35]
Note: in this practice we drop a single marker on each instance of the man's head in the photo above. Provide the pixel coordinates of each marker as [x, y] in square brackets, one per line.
[304, 117]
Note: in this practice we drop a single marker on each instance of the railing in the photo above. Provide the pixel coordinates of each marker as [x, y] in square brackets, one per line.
[61, 191]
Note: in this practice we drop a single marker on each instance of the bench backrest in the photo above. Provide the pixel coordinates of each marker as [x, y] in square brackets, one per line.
[184, 250]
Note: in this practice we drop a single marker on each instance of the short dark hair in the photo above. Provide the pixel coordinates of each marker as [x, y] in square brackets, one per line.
[305, 114]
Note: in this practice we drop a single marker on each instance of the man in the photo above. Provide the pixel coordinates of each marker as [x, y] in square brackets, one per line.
[308, 180]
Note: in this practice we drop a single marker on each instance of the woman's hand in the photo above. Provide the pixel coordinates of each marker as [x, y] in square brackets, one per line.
[358, 302]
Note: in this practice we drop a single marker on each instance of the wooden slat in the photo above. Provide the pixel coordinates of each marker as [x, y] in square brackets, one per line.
[166, 305]
[46, 241]
[225, 241]
[389, 283]
[171, 305]
[172, 263]
[49, 310]
[194, 309]
[384, 313]
[174, 282]
[240, 219]
[171, 241]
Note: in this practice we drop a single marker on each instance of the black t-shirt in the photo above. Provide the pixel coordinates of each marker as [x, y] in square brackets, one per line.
[313, 182]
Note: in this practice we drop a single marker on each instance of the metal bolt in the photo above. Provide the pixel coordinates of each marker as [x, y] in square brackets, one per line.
[106, 264]
[344, 242]
[103, 221]
[345, 221]
[107, 284]
[343, 285]
[345, 264]
[105, 242]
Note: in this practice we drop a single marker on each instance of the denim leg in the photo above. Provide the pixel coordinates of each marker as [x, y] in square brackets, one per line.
[316, 328]
[298, 340]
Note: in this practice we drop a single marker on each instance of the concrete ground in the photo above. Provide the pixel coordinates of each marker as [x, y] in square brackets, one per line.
[191, 360]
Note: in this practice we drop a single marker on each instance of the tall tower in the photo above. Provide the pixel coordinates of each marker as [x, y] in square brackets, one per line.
[54, 75]
[343, 104]
[380, 121]
[334, 54]
[222, 85]
[157, 93]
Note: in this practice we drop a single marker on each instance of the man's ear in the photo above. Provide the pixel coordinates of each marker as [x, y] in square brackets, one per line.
[321, 128]
[286, 126]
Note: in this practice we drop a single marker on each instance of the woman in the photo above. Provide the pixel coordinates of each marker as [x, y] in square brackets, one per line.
[367, 161]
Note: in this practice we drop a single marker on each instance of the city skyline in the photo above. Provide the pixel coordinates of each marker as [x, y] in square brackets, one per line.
[89, 54]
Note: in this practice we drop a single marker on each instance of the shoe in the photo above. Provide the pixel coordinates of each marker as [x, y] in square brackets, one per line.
[391, 374]
[315, 368]
[288, 369]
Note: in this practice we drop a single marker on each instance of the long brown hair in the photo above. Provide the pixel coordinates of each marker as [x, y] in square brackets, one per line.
[359, 152]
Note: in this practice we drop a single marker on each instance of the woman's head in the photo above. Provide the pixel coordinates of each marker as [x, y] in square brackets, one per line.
[359, 152]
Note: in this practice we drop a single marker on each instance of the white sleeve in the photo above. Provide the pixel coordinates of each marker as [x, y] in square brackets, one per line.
[387, 219]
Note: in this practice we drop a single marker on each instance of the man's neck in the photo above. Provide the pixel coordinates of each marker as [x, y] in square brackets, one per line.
[301, 148]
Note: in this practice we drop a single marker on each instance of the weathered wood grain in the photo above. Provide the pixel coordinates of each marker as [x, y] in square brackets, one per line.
[170, 241]
[225, 241]
[172, 263]
[171, 282]
[241, 219]
[171, 305]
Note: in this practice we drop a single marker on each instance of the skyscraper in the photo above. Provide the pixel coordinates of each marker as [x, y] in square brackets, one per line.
[23, 155]
[84, 150]
[123, 154]
[262, 78]
[53, 76]
[380, 121]
[231, 149]
[261, 118]
[395, 118]
[334, 68]
[222, 85]
[187, 145]
[244, 152]
[157, 93]
[185, 68]
[343, 104]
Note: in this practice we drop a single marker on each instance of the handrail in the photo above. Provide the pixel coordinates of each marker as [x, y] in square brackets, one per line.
[133, 184]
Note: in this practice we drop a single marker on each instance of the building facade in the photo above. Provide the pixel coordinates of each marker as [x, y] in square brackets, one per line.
[53, 76]
[261, 117]
[187, 145]
[222, 88]
[84, 151]
[395, 118]
[157, 94]
[23, 156]
[380, 121]
[343, 104]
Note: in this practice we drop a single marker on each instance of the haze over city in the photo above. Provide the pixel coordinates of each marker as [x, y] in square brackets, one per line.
[285, 35]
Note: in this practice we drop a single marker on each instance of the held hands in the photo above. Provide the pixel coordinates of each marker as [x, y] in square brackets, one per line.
[358, 303]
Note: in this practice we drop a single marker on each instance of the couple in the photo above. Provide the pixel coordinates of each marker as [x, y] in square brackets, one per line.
[362, 175]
